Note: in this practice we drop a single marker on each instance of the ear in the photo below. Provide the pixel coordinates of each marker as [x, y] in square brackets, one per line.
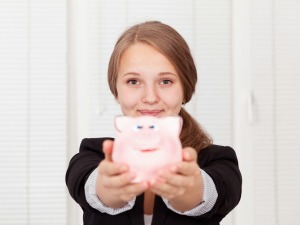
[172, 123]
[122, 122]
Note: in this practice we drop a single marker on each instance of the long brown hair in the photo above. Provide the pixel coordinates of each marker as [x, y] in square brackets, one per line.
[172, 45]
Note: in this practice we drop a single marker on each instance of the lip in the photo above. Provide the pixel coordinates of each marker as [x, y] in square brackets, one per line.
[146, 112]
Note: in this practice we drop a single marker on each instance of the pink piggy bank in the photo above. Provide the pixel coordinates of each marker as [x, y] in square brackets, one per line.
[147, 143]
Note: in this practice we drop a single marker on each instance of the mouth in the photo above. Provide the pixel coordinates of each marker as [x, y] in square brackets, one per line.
[150, 112]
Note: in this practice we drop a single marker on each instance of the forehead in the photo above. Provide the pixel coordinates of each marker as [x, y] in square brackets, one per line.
[140, 48]
[145, 55]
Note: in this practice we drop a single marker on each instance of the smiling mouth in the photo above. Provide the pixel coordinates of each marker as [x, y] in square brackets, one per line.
[150, 112]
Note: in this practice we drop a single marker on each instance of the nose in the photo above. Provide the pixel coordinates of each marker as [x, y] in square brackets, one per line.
[150, 95]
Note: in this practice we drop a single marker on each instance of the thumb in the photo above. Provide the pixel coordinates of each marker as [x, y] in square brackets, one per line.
[107, 149]
[189, 154]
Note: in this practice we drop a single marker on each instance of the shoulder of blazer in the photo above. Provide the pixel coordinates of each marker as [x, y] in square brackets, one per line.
[216, 152]
[93, 144]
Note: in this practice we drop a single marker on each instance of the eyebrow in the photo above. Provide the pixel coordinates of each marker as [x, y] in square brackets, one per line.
[167, 73]
[160, 74]
[131, 73]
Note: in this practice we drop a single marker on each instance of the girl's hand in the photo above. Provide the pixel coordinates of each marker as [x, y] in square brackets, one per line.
[114, 186]
[181, 183]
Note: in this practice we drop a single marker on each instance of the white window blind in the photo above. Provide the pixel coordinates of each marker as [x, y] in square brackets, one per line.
[33, 109]
[275, 28]
[213, 49]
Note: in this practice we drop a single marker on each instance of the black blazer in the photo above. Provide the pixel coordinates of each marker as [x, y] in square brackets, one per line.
[219, 162]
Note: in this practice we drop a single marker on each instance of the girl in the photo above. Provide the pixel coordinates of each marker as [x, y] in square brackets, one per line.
[151, 72]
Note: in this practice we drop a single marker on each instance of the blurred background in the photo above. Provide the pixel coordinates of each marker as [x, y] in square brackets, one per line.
[53, 93]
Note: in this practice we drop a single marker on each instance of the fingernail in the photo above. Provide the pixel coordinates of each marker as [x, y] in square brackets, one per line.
[161, 180]
[160, 173]
[132, 174]
[152, 182]
[123, 168]
[173, 168]
[145, 185]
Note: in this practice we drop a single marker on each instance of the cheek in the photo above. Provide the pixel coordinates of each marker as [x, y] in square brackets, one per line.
[127, 97]
[177, 107]
[127, 102]
[174, 99]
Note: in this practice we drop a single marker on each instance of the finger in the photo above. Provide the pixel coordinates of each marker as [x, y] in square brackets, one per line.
[129, 191]
[166, 195]
[165, 190]
[134, 189]
[107, 147]
[188, 169]
[118, 181]
[108, 168]
[178, 180]
[189, 154]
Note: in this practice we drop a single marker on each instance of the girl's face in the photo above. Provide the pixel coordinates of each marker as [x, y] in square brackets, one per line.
[148, 83]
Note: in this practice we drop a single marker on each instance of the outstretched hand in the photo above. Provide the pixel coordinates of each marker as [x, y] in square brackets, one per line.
[181, 183]
[114, 186]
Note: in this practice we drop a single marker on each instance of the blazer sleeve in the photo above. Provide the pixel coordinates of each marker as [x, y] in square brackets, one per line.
[221, 164]
[81, 166]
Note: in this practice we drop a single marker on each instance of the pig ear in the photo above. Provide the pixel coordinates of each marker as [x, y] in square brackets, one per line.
[173, 123]
[122, 122]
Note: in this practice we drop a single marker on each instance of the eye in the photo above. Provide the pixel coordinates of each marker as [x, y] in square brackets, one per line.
[133, 82]
[137, 127]
[153, 127]
[166, 81]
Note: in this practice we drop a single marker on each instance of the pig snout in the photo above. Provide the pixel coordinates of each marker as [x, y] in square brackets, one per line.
[146, 138]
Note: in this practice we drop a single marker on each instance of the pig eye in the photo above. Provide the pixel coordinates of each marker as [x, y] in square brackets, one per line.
[153, 127]
[138, 127]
